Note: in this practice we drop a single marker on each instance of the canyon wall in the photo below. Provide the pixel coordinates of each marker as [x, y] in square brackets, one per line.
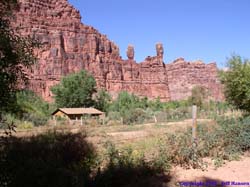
[69, 46]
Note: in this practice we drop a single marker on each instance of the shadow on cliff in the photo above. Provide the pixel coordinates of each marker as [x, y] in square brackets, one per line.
[67, 160]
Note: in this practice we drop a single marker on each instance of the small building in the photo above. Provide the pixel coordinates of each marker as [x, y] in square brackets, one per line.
[77, 113]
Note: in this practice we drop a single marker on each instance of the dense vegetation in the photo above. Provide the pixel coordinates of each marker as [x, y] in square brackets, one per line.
[78, 90]
[131, 109]
[30, 111]
[237, 83]
[16, 56]
[225, 141]
[75, 90]
[102, 100]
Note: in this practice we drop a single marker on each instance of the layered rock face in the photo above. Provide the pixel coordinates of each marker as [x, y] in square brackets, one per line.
[183, 76]
[69, 46]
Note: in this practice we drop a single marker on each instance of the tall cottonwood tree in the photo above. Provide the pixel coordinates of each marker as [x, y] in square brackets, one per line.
[16, 55]
[237, 82]
[75, 90]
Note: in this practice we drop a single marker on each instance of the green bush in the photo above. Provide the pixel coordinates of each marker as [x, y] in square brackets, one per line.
[25, 125]
[32, 108]
[134, 116]
[124, 102]
[170, 114]
[29, 102]
[225, 141]
[162, 159]
[242, 138]
[114, 115]
[126, 167]
[181, 150]
[133, 109]
[11, 119]
[37, 120]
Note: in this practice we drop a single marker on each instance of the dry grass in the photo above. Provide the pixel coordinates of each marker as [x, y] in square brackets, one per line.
[144, 137]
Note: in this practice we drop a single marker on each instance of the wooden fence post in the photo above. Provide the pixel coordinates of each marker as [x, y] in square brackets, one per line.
[194, 135]
[194, 122]
[155, 119]
[54, 117]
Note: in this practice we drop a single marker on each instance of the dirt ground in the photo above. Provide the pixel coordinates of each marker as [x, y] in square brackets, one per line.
[234, 173]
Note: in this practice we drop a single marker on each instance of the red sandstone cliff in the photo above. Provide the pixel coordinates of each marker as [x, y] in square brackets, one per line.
[69, 46]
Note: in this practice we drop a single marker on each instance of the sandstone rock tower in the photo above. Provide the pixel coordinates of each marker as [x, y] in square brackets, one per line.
[130, 52]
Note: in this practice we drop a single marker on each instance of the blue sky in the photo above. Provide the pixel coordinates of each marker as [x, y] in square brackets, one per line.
[210, 30]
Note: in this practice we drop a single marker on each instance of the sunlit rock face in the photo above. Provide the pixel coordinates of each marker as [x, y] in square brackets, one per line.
[69, 46]
[183, 76]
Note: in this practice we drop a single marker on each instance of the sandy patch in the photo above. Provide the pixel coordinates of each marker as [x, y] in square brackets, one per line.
[230, 173]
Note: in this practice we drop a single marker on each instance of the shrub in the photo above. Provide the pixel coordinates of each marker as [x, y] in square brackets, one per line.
[176, 114]
[225, 141]
[133, 116]
[11, 119]
[162, 159]
[114, 115]
[126, 167]
[37, 120]
[243, 138]
[32, 108]
[181, 150]
[25, 125]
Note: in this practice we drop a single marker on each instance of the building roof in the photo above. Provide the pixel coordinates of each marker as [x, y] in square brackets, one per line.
[78, 111]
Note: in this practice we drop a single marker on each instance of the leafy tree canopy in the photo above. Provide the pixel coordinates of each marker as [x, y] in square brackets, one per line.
[75, 90]
[126, 101]
[16, 56]
[103, 100]
[237, 82]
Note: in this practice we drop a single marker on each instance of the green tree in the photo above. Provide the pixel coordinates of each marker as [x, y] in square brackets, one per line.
[125, 101]
[237, 82]
[16, 55]
[75, 90]
[103, 100]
